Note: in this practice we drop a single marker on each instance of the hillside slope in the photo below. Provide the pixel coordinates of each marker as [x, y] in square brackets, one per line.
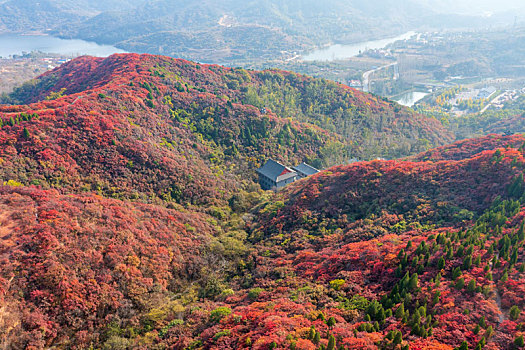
[382, 254]
[390, 255]
[71, 264]
[468, 148]
[129, 217]
[152, 117]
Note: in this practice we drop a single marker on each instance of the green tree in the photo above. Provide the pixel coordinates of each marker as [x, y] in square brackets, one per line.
[337, 284]
[398, 338]
[514, 313]
[331, 343]
[400, 312]
[460, 283]
[456, 273]
[56, 95]
[254, 293]
[413, 282]
[219, 313]
[482, 322]
[463, 346]
[521, 232]
[311, 334]
[331, 322]
[505, 277]
[519, 342]
[467, 263]
[441, 263]
[489, 332]
[317, 338]
[471, 287]
[27, 135]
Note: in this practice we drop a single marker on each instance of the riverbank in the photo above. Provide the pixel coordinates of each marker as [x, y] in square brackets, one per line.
[341, 52]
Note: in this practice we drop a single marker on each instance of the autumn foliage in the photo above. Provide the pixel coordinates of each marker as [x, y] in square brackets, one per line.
[129, 217]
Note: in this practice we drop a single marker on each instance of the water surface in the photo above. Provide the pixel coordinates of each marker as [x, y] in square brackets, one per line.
[17, 44]
[409, 99]
[339, 52]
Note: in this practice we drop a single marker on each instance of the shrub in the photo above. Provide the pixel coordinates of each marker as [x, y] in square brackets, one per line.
[221, 334]
[337, 284]
[254, 293]
[165, 329]
[219, 313]
[227, 293]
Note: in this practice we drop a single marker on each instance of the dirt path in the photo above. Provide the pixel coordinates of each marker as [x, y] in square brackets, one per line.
[502, 316]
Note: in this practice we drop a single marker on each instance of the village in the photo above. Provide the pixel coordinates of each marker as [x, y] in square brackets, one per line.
[21, 68]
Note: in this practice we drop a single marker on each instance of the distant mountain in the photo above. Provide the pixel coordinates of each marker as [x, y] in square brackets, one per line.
[43, 15]
[230, 32]
[476, 7]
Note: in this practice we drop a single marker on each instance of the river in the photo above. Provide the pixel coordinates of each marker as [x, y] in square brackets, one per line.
[16, 44]
[339, 52]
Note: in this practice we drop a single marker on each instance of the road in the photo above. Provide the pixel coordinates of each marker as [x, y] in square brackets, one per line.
[491, 102]
[366, 75]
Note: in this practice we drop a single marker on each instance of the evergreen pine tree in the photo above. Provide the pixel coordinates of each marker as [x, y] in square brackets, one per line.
[317, 338]
[441, 263]
[331, 343]
[27, 136]
[464, 346]
[519, 342]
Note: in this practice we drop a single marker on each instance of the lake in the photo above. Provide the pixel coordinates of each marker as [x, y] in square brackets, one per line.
[339, 52]
[409, 99]
[16, 44]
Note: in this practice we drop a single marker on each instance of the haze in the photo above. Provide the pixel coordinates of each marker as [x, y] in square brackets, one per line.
[476, 7]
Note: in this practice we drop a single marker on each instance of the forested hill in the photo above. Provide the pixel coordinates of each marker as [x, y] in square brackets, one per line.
[305, 119]
[467, 148]
[402, 255]
[375, 255]
[130, 216]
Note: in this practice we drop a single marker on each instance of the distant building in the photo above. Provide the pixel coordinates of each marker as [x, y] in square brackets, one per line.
[305, 170]
[275, 175]
[355, 84]
[486, 92]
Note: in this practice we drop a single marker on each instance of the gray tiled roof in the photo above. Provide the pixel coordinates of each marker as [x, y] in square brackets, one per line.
[306, 169]
[273, 171]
